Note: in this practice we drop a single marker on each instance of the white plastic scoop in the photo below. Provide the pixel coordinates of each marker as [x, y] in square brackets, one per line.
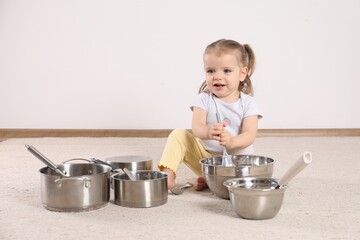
[297, 167]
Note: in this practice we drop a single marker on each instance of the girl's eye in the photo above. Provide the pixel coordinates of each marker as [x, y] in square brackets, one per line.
[227, 71]
[209, 71]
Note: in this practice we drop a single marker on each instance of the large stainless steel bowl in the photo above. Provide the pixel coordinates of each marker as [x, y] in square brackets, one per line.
[255, 198]
[244, 166]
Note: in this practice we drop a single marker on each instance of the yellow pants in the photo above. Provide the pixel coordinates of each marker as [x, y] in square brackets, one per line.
[183, 147]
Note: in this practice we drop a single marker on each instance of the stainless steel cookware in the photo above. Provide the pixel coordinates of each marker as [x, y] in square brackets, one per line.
[131, 162]
[261, 198]
[243, 166]
[255, 198]
[85, 187]
[73, 187]
[148, 189]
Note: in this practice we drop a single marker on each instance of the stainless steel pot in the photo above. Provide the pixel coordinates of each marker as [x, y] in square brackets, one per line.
[149, 189]
[259, 197]
[131, 162]
[244, 166]
[85, 187]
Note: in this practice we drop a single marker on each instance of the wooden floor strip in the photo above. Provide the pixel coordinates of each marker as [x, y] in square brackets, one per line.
[163, 133]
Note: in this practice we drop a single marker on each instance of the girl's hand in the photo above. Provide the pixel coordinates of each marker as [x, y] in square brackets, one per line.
[219, 133]
[215, 131]
[225, 138]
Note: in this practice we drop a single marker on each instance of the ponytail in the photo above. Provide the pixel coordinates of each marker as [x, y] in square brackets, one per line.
[248, 60]
[203, 87]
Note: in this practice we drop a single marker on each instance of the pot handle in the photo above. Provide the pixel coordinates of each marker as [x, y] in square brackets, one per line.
[73, 159]
[86, 181]
[298, 166]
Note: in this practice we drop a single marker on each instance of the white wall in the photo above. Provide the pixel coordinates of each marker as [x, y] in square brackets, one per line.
[114, 64]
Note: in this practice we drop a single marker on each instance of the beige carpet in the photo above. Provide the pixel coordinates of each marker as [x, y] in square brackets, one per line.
[322, 202]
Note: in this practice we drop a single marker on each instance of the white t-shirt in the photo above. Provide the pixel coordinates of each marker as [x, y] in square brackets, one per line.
[234, 113]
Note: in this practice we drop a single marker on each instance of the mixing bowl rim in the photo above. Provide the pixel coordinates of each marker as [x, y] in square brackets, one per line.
[239, 188]
[244, 165]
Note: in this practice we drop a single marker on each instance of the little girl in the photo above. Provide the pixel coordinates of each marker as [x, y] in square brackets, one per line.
[227, 92]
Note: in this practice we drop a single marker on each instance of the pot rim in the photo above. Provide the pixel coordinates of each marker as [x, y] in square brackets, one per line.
[238, 188]
[272, 161]
[106, 169]
[117, 174]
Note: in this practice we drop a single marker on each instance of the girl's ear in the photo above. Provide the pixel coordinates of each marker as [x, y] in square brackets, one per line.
[243, 73]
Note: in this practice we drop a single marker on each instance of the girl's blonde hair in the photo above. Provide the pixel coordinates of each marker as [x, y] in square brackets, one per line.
[245, 56]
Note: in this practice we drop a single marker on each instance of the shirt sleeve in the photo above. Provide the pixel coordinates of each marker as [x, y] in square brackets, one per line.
[201, 101]
[251, 107]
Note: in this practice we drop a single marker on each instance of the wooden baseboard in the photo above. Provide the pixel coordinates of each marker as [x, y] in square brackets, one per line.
[317, 132]
[163, 133]
[35, 133]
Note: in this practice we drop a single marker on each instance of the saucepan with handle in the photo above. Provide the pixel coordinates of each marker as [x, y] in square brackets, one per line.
[261, 198]
[73, 185]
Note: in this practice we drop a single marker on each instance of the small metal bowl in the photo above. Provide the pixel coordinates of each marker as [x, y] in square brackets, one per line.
[255, 198]
[244, 166]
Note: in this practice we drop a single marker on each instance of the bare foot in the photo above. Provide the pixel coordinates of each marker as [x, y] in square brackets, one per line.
[201, 184]
[171, 177]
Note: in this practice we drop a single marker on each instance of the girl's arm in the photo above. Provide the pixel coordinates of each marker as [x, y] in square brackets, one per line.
[245, 138]
[199, 128]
